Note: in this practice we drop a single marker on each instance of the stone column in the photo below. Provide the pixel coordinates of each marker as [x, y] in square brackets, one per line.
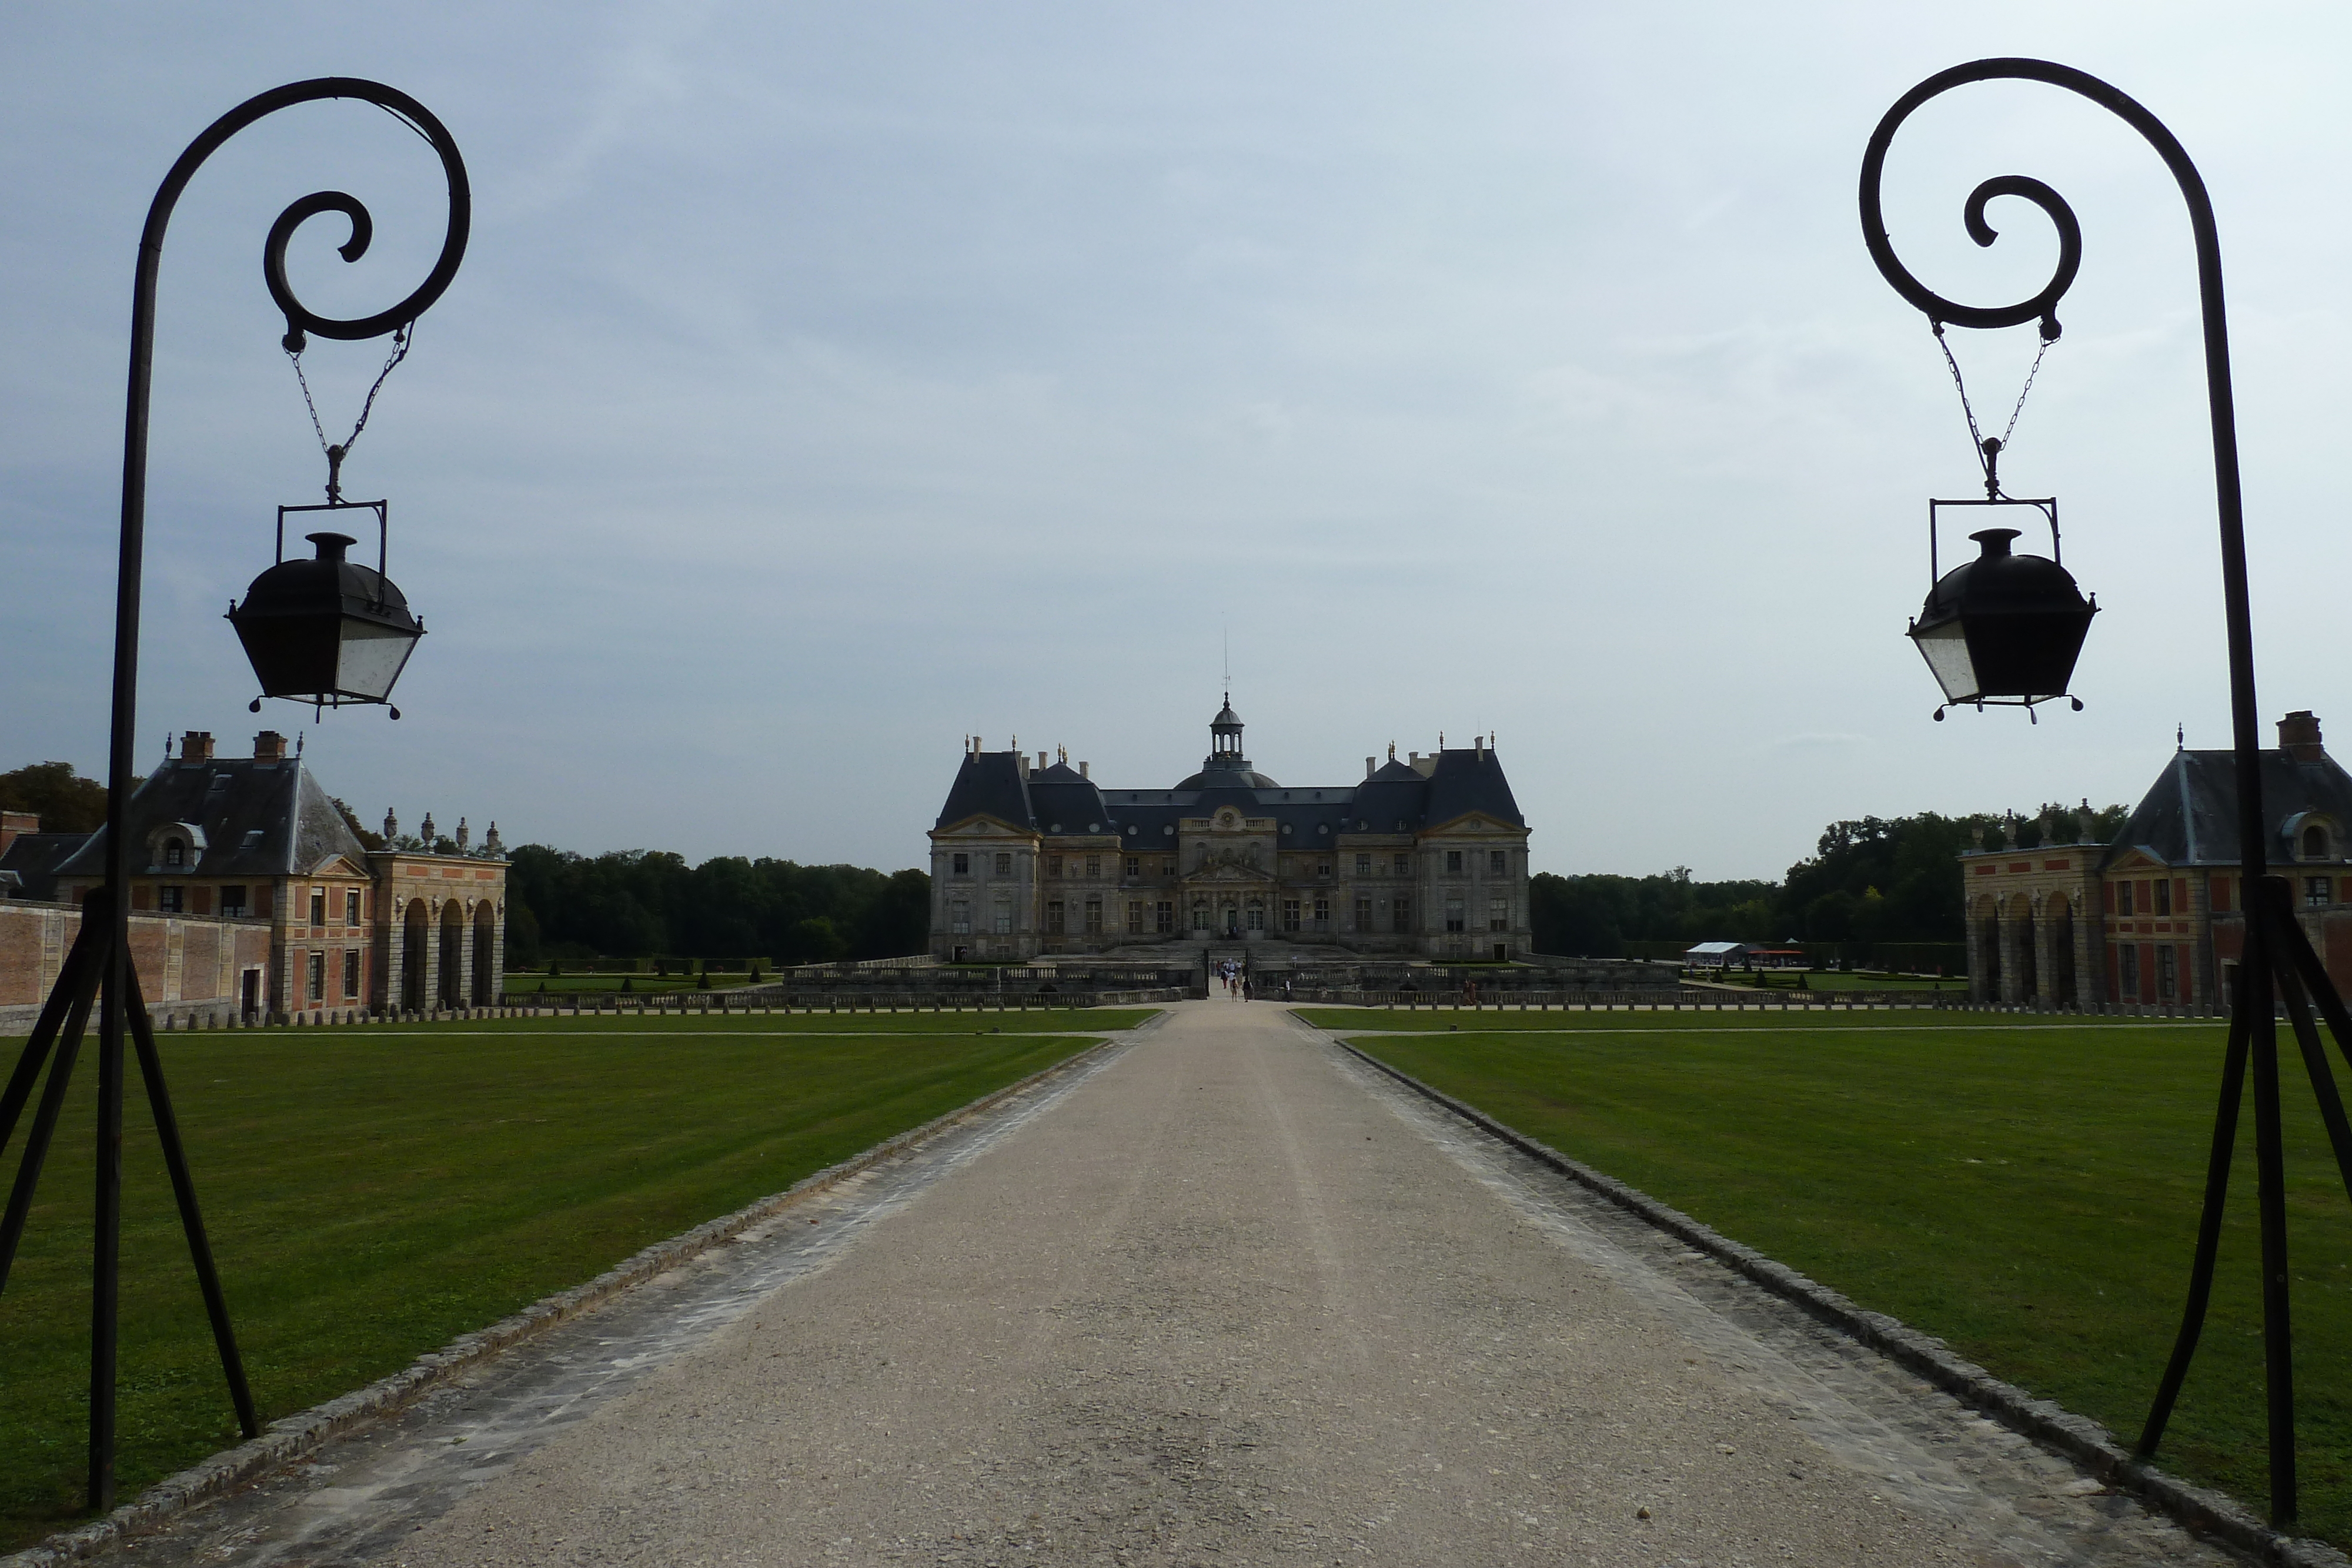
[2045, 955]
[1979, 956]
[432, 956]
[2012, 940]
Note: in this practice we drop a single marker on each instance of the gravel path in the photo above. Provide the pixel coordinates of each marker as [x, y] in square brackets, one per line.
[1227, 1298]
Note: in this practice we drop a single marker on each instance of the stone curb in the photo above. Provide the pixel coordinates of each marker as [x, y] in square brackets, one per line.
[2078, 1438]
[294, 1435]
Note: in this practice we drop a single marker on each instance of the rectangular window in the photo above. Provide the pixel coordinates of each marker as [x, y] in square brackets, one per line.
[1167, 868]
[1056, 923]
[351, 971]
[2318, 891]
[1498, 915]
[1363, 915]
[1135, 917]
[1453, 918]
[318, 907]
[2130, 957]
[1257, 916]
[1164, 917]
[170, 900]
[959, 917]
[2123, 898]
[318, 976]
[232, 900]
[1093, 917]
[1401, 864]
[1400, 915]
[1054, 866]
[962, 865]
[1134, 866]
[2164, 974]
[1453, 862]
[1497, 862]
[1323, 868]
[1322, 915]
[1004, 865]
[2164, 897]
[1290, 915]
[1094, 866]
[1001, 917]
[1199, 915]
[1363, 866]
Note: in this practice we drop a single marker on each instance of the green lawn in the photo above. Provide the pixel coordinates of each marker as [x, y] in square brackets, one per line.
[2026, 1191]
[373, 1192]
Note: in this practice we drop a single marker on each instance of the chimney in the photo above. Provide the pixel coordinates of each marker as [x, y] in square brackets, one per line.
[1082, 770]
[197, 746]
[1042, 763]
[1369, 763]
[1021, 763]
[2299, 736]
[270, 747]
[12, 823]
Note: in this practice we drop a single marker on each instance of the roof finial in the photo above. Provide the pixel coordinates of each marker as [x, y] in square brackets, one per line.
[2179, 738]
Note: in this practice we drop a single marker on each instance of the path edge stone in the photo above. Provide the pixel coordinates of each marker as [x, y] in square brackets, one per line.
[291, 1437]
[2076, 1438]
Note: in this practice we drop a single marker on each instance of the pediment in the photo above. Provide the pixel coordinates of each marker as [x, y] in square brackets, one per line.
[1235, 874]
[982, 826]
[2133, 859]
[337, 865]
[1475, 822]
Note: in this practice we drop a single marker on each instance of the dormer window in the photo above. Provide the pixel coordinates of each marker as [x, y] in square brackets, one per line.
[176, 853]
[2314, 843]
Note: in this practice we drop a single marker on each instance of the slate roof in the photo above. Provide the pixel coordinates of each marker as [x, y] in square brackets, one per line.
[35, 859]
[2189, 816]
[254, 819]
[1395, 798]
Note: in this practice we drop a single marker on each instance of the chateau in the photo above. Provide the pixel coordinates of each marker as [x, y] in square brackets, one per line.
[1424, 858]
[2156, 915]
[251, 897]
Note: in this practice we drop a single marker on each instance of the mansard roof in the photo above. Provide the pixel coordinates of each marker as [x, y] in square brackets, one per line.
[988, 784]
[2189, 816]
[1396, 799]
[252, 818]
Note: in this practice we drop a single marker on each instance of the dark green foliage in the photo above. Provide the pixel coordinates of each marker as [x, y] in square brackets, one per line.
[1872, 881]
[640, 903]
[367, 841]
[67, 803]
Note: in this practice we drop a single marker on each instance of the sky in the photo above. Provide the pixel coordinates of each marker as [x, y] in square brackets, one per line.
[826, 384]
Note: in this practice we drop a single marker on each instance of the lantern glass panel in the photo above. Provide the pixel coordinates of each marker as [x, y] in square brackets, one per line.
[371, 658]
[1945, 649]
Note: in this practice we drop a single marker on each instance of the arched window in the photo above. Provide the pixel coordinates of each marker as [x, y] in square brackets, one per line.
[2314, 843]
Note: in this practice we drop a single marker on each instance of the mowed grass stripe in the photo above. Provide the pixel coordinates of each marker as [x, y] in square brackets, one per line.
[371, 1195]
[2028, 1193]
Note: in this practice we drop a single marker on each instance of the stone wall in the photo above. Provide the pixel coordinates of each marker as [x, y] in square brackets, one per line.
[190, 965]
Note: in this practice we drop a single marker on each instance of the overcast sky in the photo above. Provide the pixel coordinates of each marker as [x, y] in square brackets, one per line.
[827, 383]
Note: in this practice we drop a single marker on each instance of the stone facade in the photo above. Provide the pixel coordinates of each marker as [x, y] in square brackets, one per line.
[2154, 916]
[1426, 857]
[258, 842]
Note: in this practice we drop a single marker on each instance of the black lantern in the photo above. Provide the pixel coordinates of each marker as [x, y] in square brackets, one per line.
[2003, 628]
[327, 631]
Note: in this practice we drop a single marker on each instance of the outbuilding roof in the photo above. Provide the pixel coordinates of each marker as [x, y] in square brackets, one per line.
[2190, 815]
[238, 817]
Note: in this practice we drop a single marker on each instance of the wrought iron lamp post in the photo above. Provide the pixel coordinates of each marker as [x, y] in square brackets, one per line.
[329, 636]
[2278, 967]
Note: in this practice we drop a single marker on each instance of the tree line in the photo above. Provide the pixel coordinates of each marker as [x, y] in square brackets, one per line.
[1874, 880]
[570, 909]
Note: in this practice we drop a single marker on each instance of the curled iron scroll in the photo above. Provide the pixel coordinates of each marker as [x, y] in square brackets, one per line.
[300, 317]
[2043, 304]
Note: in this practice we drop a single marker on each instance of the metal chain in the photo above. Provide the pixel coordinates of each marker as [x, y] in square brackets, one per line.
[401, 338]
[1975, 437]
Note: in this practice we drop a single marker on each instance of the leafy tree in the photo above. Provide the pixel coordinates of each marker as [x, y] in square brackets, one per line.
[65, 802]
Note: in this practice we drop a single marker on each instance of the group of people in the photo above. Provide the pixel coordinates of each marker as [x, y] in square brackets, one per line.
[1236, 980]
